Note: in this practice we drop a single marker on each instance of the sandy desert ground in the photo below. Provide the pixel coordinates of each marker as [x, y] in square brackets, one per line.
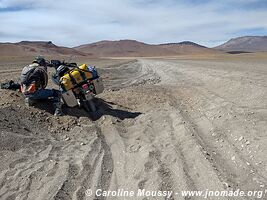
[162, 124]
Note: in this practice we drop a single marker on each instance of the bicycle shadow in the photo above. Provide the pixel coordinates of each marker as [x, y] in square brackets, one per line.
[103, 108]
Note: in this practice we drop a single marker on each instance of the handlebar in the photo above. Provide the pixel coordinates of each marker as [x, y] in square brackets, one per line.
[57, 63]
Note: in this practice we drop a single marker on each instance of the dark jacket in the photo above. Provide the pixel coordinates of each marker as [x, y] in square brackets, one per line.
[38, 75]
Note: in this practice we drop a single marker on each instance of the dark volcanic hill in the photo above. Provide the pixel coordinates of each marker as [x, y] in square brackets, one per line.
[246, 43]
[124, 48]
[25, 48]
[187, 47]
[184, 43]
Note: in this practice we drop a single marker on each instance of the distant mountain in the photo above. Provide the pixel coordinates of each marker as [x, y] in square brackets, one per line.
[25, 48]
[187, 47]
[124, 48]
[121, 48]
[245, 44]
[185, 43]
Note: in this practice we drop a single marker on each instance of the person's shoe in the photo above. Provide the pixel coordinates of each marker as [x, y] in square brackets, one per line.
[58, 112]
[29, 102]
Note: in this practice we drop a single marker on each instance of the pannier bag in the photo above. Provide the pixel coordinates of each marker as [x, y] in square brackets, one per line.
[77, 76]
[98, 84]
[69, 98]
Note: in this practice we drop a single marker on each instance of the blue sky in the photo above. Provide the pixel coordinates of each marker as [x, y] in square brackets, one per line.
[75, 22]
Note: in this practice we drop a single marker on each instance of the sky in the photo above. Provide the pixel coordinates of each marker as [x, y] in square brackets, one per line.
[75, 22]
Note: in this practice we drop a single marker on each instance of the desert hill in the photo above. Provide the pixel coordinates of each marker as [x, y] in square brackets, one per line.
[246, 43]
[121, 48]
[135, 48]
[27, 48]
[187, 47]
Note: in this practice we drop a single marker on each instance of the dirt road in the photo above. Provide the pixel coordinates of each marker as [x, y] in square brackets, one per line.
[162, 125]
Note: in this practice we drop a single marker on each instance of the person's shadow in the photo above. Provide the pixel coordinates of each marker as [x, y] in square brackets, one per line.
[103, 108]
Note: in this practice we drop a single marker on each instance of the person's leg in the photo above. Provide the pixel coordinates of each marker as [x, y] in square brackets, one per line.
[49, 93]
[42, 94]
[31, 99]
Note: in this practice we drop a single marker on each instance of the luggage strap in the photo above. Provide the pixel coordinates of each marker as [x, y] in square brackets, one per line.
[82, 74]
[72, 79]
